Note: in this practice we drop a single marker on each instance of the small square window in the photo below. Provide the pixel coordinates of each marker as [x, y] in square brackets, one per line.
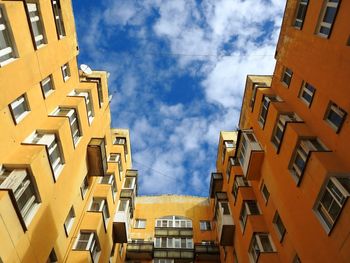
[19, 108]
[335, 116]
[307, 93]
[47, 86]
[279, 226]
[140, 223]
[287, 76]
[205, 225]
[68, 223]
[65, 72]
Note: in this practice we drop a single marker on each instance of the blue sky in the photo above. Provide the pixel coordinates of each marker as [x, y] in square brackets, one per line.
[177, 74]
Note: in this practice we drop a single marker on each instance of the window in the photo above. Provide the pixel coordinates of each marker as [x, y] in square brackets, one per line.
[265, 192]
[129, 183]
[327, 17]
[280, 126]
[73, 121]
[265, 107]
[301, 155]
[19, 108]
[296, 259]
[249, 207]
[65, 72]
[88, 102]
[173, 242]
[231, 162]
[53, 150]
[279, 226]
[300, 14]
[68, 223]
[287, 76]
[57, 12]
[123, 204]
[87, 240]
[140, 223]
[109, 179]
[84, 187]
[115, 157]
[205, 225]
[307, 93]
[260, 243]
[52, 257]
[335, 116]
[24, 189]
[100, 205]
[332, 201]
[226, 144]
[240, 181]
[47, 86]
[36, 26]
[7, 52]
[248, 144]
[174, 221]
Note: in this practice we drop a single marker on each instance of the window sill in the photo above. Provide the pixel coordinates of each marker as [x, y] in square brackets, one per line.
[4, 63]
[21, 117]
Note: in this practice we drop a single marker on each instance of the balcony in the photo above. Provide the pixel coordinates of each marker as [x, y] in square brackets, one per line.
[121, 222]
[140, 250]
[216, 182]
[97, 158]
[129, 189]
[225, 224]
[207, 252]
[250, 155]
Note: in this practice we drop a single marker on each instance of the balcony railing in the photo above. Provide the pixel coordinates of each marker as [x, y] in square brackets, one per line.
[250, 155]
[216, 182]
[161, 232]
[121, 223]
[140, 250]
[225, 224]
[97, 158]
[207, 252]
[185, 255]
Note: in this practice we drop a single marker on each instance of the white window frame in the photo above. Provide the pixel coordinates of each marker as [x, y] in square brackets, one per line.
[276, 220]
[20, 102]
[205, 225]
[321, 23]
[247, 211]
[5, 30]
[299, 22]
[44, 82]
[332, 107]
[240, 181]
[140, 223]
[289, 73]
[20, 181]
[111, 181]
[339, 196]
[92, 244]
[57, 12]
[101, 206]
[305, 88]
[36, 21]
[84, 187]
[254, 252]
[281, 123]
[65, 72]
[69, 222]
[88, 102]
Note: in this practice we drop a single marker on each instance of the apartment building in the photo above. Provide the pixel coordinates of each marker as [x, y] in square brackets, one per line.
[63, 171]
[286, 171]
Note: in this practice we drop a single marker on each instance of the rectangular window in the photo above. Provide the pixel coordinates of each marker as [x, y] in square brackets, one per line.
[7, 49]
[65, 72]
[280, 127]
[24, 189]
[68, 223]
[279, 226]
[36, 26]
[53, 150]
[327, 17]
[255, 87]
[265, 192]
[300, 13]
[116, 157]
[19, 108]
[265, 107]
[205, 225]
[87, 240]
[140, 223]
[123, 204]
[287, 76]
[332, 201]
[73, 121]
[225, 146]
[260, 243]
[57, 12]
[47, 86]
[109, 179]
[122, 141]
[301, 155]
[88, 103]
[100, 205]
[249, 207]
[231, 162]
[84, 187]
[307, 93]
[129, 183]
[240, 181]
[335, 116]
